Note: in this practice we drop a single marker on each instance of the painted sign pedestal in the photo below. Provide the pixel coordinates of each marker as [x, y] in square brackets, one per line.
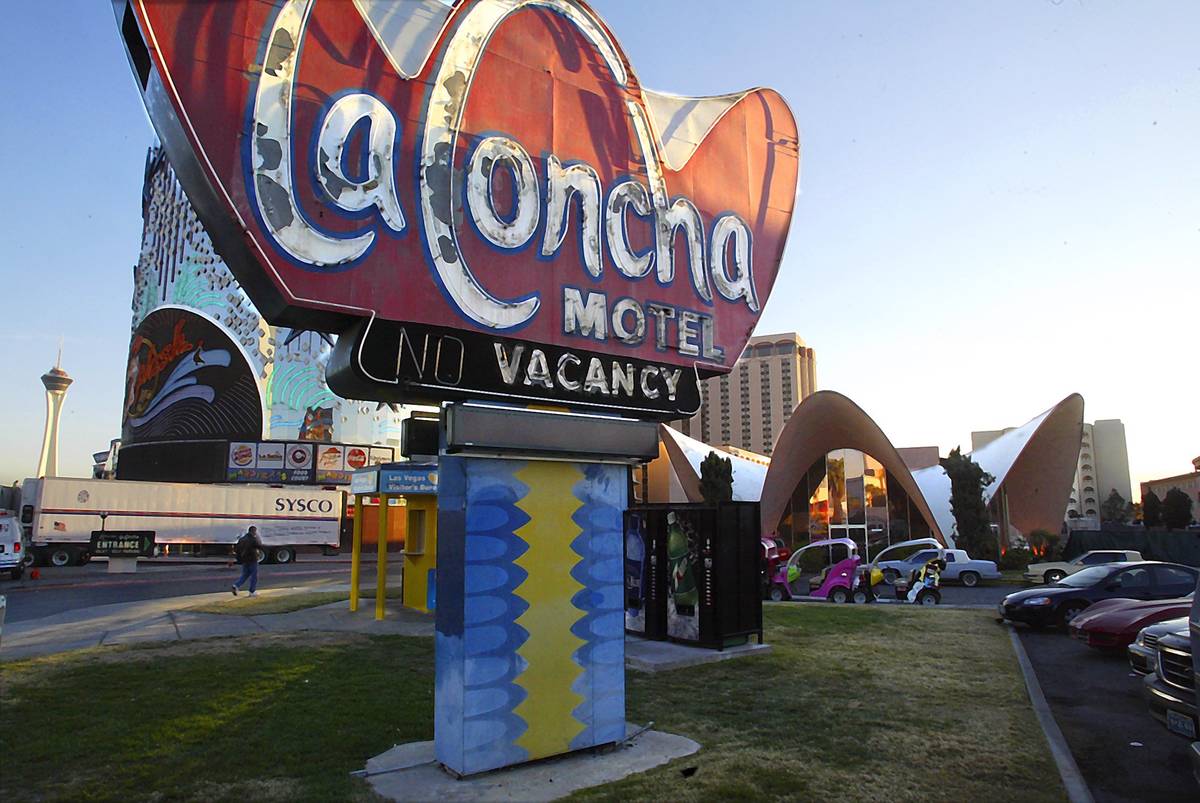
[530, 629]
[530, 614]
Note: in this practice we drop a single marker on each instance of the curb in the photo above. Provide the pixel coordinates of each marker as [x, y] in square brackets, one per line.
[895, 605]
[1068, 770]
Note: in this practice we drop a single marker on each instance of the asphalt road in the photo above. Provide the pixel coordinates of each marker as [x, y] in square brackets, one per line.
[72, 587]
[1123, 752]
[982, 594]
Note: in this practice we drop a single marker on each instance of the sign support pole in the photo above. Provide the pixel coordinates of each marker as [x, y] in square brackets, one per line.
[381, 565]
[356, 551]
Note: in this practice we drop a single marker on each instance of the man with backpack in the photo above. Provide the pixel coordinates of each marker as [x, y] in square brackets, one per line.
[246, 551]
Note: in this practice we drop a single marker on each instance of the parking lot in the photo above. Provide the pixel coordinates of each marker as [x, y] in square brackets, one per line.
[1123, 752]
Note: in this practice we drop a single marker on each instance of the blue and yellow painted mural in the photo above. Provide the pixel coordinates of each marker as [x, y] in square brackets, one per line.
[530, 625]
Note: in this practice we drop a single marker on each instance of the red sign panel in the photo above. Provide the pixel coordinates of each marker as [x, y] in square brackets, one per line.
[490, 166]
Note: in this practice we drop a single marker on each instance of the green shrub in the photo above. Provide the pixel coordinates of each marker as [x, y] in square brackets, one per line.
[1016, 557]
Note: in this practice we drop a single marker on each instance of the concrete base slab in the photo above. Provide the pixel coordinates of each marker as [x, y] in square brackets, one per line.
[122, 565]
[410, 771]
[659, 656]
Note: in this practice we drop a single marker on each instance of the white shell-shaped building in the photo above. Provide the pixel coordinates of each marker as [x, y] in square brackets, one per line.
[1032, 468]
[831, 452]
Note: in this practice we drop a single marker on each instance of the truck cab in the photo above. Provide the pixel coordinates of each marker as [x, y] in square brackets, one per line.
[12, 546]
[1194, 632]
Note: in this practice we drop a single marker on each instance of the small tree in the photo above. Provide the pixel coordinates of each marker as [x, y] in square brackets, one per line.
[1176, 509]
[972, 525]
[1151, 510]
[1135, 512]
[716, 479]
[1114, 508]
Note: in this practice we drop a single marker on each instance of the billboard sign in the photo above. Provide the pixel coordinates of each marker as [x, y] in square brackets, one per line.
[187, 379]
[299, 462]
[487, 171]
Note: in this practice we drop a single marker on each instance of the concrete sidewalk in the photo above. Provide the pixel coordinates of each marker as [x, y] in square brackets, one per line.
[171, 620]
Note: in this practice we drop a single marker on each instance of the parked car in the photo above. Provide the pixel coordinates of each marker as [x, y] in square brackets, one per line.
[1143, 652]
[1061, 602]
[959, 566]
[1194, 634]
[1053, 571]
[1112, 624]
[1170, 690]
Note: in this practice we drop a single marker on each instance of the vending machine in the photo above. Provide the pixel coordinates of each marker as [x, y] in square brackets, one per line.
[692, 573]
[645, 577]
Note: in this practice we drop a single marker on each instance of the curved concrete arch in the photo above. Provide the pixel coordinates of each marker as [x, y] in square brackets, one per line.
[1033, 464]
[823, 422]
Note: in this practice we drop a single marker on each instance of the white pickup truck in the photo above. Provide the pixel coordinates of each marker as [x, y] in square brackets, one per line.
[959, 566]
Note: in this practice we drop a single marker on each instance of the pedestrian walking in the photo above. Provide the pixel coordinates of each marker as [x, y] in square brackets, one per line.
[246, 553]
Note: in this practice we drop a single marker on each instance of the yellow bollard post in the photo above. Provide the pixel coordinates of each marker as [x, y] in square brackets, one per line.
[356, 551]
[381, 566]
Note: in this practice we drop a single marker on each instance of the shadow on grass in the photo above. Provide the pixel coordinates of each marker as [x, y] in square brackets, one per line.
[267, 603]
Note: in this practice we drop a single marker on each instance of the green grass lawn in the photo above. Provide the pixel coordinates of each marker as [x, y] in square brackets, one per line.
[852, 703]
[231, 719]
[1012, 576]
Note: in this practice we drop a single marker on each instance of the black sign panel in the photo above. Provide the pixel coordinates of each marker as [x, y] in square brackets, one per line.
[123, 543]
[409, 363]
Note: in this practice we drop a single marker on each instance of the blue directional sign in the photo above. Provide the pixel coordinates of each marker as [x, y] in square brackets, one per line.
[396, 478]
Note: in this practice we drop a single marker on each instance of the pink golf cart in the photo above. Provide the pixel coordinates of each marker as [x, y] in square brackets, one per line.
[834, 582]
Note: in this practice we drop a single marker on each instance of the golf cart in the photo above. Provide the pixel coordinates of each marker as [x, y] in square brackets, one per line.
[871, 575]
[834, 582]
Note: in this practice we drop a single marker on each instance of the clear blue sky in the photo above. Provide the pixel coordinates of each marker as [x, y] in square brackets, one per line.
[999, 205]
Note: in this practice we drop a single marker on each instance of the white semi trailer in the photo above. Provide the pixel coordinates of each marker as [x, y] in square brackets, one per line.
[60, 514]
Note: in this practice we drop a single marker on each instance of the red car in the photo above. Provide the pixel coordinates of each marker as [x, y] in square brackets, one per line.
[1113, 624]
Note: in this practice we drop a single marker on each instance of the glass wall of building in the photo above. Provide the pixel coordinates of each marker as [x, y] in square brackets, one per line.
[849, 494]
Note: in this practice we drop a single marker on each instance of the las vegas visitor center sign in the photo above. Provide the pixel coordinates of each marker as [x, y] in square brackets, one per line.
[479, 197]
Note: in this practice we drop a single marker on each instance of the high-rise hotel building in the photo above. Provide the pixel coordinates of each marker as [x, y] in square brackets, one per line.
[748, 407]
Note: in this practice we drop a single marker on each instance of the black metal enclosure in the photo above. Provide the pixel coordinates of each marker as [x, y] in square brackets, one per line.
[692, 573]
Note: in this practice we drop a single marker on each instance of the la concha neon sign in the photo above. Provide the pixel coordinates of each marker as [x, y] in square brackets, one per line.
[479, 196]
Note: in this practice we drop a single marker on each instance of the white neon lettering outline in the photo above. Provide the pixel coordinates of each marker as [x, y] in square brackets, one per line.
[271, 150]
[481, 200]
[447, 101]
[562, 183]
[379, 187]
[669, 216]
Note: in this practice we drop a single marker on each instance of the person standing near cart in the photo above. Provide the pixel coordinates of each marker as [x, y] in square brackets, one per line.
[246, 552]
